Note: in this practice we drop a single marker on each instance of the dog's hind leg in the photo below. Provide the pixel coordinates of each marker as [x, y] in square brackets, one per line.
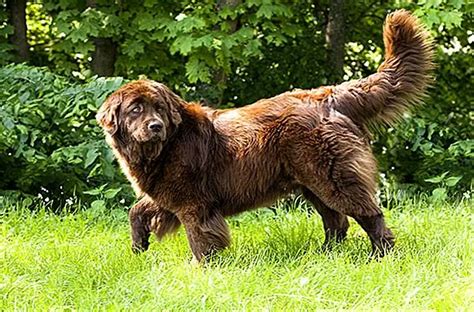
[352, 194]
[335, 223]
[206, 234]
[355, 201]
[380, 235]
[340, 170]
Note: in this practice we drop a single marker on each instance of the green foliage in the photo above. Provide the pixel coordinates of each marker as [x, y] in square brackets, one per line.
[50, 145]
[38, 33]
[448, 14]
[190, 46]
[6, 30]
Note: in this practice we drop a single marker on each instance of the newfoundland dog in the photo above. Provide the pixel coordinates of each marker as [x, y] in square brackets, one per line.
[194, 165]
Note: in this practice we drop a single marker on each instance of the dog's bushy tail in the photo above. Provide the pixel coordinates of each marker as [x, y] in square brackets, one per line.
[400, 82]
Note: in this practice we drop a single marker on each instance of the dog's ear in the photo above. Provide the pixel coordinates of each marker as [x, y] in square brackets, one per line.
[173, 101]
[107, 116]
[175, 115]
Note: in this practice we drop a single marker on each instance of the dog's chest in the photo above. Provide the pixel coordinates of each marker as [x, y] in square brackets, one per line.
[131, 177]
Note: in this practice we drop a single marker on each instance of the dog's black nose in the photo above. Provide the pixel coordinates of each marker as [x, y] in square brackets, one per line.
[155, 126]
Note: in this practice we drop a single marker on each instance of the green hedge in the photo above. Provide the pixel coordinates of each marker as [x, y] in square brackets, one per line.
[50, 144]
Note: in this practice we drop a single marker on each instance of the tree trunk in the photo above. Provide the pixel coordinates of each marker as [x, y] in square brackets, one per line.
[221, 4]
[335, 40]
[105, 52]
[103, 58]
[17, 18]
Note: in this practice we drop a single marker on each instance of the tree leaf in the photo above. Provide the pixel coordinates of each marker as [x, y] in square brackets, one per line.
[196, 70]
[98, 204]
[111, 193]
[146, 21]
[91, 156]
[439, 194]
[437, 179]
[452, 181]
[182, 44]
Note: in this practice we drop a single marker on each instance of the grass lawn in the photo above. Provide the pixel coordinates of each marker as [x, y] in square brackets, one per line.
[82, 261]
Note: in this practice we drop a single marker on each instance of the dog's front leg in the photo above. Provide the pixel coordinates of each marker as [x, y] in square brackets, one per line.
[207, 233]
[146, 217]
[139, 224]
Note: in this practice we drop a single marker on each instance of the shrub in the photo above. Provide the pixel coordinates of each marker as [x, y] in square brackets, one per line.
[50, 145]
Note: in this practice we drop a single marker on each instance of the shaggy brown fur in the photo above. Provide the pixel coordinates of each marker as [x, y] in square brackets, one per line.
[193, 165]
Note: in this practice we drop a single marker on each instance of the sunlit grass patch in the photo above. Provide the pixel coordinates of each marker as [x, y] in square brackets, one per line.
[83, 261]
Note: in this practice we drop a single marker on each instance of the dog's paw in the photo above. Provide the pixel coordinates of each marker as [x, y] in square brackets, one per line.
[140, 247]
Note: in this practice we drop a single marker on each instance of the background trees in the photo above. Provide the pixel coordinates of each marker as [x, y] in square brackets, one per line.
[226, 53]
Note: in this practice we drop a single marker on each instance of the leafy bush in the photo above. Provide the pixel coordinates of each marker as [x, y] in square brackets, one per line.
[50, 145]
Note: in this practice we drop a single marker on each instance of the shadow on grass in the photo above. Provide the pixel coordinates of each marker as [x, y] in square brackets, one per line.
[288, 250]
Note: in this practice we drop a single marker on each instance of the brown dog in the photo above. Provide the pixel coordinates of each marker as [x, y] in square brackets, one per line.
[193, 165]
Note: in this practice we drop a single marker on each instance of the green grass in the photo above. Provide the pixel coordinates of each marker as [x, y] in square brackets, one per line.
[82, 261]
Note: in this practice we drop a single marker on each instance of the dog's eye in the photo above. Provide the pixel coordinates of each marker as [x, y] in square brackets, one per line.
[136, 109]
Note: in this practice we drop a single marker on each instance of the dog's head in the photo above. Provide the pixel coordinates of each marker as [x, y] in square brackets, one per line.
[141, 111]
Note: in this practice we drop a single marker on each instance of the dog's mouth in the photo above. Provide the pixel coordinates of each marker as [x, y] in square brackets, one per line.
[150, 136]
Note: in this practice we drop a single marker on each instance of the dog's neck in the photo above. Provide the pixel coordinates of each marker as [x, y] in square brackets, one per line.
[132, 159]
